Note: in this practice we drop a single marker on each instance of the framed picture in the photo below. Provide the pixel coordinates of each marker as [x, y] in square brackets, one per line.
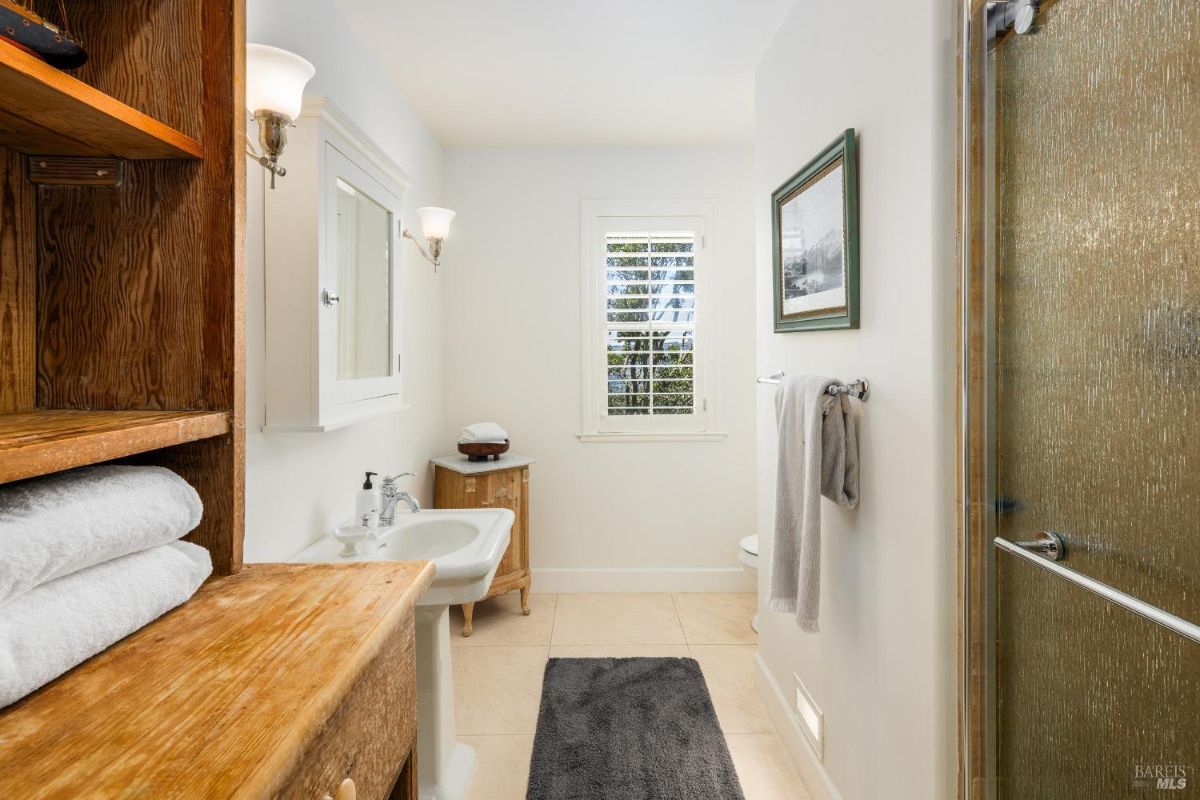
[815, 242]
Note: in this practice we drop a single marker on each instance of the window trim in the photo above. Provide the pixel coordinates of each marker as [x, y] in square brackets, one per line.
[596, 424]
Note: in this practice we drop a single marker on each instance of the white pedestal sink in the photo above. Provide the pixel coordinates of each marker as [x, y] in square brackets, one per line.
[466, 546]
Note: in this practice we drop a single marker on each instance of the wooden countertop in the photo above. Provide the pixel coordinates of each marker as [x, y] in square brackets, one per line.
[215, 698]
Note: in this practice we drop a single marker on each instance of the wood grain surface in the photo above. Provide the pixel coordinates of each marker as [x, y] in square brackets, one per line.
[369, 738]
[18, 285]
[151, 56]
[224, 166]
[220, 697]
[121, 292]
[20, 134]
[141, 288]
[76, 171]
[40, 442]
[49, 112]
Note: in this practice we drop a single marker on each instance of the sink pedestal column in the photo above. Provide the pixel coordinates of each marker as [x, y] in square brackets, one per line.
[444, 764]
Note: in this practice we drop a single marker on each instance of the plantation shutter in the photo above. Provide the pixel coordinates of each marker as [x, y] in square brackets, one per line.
[650, 323]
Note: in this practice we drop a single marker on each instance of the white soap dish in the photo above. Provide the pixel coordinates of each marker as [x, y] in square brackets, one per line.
[350, 536]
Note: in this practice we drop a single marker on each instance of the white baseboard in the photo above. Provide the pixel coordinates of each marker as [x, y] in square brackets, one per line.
[683, 579]
[820, 786]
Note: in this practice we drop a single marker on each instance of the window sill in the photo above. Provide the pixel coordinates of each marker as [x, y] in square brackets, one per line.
[651, 437]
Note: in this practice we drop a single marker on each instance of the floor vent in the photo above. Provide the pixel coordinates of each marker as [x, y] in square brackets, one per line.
[812, 721]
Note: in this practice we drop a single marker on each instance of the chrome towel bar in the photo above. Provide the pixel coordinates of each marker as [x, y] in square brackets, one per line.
[859, 389]
[1184, 628]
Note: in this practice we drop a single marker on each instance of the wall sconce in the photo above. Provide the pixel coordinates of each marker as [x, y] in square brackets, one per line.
[275, 81]
[435, 226]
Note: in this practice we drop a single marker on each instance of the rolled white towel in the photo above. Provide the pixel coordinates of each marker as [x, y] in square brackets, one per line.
[482, 432]
[51, 527]
[49, 630]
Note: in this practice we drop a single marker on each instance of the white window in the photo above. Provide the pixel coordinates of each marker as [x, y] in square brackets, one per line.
[648, 335]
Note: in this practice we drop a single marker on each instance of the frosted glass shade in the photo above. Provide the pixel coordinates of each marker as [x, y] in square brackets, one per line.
[275, 80]
[435, 222]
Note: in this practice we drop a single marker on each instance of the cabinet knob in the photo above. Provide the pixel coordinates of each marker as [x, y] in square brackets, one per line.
[346, 791]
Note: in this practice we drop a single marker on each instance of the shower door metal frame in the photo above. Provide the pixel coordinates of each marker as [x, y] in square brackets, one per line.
[976, 617]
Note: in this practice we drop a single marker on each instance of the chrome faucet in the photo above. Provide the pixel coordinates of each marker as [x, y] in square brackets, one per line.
[390, 494]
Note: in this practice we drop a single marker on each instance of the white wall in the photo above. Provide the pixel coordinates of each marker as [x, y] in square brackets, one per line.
[648, 516]
[882, 667]
[298, 485]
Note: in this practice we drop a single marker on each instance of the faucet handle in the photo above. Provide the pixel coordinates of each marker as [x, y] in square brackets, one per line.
[389, 479]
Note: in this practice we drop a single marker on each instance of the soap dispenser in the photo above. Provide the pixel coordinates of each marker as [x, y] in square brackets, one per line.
[366, 503]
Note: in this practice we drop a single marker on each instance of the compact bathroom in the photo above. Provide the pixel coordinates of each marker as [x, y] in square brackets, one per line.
[503, 400]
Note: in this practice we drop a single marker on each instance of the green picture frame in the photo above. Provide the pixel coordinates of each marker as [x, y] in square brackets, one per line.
[814, 235]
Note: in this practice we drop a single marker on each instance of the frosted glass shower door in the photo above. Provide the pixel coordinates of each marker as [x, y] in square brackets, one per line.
[1095, 412]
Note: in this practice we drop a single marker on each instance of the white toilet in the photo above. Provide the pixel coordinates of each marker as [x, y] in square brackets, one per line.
[748, 555]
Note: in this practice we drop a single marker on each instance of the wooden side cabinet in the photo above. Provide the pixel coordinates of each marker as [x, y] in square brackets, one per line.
[459, 483]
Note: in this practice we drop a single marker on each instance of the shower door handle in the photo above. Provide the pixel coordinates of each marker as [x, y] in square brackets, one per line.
[1050, 546]
[1128, 602]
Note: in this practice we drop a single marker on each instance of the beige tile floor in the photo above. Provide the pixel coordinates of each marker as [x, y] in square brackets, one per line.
[498, 675]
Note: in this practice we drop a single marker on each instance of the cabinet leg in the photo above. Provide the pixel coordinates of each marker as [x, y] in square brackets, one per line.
[525, 600]
[468, 612]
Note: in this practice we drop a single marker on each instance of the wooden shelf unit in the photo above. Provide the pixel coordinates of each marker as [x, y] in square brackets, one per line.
[122, 274]
[50, 113]
[41, 442]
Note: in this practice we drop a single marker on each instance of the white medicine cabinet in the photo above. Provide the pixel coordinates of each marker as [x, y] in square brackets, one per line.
[333, 278]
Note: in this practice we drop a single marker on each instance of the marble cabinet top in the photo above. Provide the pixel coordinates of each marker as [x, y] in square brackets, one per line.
[462, 465]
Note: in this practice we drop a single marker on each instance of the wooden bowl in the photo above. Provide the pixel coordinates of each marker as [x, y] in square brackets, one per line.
[483, 451]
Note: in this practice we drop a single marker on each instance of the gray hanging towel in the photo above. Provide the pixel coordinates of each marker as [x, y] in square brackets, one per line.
[818, 455]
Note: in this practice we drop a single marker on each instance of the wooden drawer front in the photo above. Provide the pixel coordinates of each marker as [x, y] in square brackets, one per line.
[370, 736]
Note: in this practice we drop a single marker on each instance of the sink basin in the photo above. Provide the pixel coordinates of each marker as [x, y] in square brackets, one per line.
[465, 544]
[430, 539]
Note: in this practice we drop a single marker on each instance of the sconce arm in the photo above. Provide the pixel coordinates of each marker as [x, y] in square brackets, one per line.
[250, 151]
[421, 249]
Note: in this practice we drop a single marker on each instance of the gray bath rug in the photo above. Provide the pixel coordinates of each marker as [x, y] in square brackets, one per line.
[629, 729]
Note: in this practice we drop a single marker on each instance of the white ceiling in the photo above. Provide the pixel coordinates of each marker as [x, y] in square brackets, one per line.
[562, 73]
